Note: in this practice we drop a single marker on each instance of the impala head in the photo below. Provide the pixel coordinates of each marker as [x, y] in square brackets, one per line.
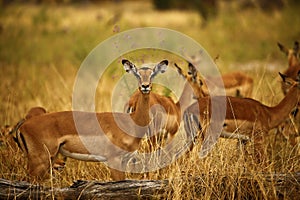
[289, 81]
[145, 75]
[193, 78]
[292, 54]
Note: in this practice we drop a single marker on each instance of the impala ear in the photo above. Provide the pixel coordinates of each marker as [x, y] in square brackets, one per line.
[129, 67]
[283, 76]
[296, 47]
[288, 80]
[192, 71]
[179, 70]
[298, 76]
[283, 48]
[160, 68]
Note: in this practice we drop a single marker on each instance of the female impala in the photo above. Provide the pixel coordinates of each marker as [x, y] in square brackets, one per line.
[165, 105]
[89, 136]
[245, 115]
[236, 84]
[196, 83]
[293, 63]
[290, 128]
[35, 111]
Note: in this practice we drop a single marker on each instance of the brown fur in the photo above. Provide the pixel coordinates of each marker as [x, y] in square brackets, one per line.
[249, 116]
[293, 63]
[35, 111]
[172, 114]
[171, 109]
[46, 135]
[236, 84]
[290, 128]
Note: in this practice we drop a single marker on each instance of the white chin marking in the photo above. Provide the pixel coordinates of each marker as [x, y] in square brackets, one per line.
[145, 91]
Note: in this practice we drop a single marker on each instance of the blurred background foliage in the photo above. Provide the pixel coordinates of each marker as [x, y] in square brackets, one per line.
[237, 30]
[43, 42]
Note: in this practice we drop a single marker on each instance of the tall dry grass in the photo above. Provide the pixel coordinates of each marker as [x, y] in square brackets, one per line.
[41, 49]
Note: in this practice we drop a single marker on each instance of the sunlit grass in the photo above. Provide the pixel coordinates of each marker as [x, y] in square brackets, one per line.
[41, 49]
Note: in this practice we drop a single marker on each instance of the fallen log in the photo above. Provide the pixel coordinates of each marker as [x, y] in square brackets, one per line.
[128, 189]
[264, 185]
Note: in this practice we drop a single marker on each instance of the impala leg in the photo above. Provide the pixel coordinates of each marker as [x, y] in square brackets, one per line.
[115, 174]
[192, 128]
[170, 137]
[38, 165]
[259, 148]
[40, 159]
[157, 135]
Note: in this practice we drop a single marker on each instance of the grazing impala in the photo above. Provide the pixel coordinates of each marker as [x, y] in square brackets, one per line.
[244, 115]
[6, 132]
[35, 111]
[100, 137]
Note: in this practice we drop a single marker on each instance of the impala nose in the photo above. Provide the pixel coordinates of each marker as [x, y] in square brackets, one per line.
[145, 88]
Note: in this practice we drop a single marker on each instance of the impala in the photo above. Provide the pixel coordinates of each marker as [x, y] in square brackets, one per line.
[236, 84]
[243, 115]
[35, 111]
[172, 111]
[87, 136]
[164, 109]
[196, 83]
[165, 105]
[290, 128]
[293, 63]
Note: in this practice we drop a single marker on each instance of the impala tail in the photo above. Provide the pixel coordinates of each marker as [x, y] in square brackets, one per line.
[17, 135]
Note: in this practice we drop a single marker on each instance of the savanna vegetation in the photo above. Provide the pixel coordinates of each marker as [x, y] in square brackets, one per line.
[43, 45]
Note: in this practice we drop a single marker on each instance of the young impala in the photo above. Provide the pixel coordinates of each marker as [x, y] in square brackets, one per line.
[243, 115]
[101, 137]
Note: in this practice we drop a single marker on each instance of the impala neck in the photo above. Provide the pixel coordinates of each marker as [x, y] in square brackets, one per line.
[284, 108]
[293, 60]
[186, 97]
[141, 115]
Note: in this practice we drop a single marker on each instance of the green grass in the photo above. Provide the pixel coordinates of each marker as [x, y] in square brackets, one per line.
[42, 47]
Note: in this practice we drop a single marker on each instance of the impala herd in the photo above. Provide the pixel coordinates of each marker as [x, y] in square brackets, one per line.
[110, 136]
